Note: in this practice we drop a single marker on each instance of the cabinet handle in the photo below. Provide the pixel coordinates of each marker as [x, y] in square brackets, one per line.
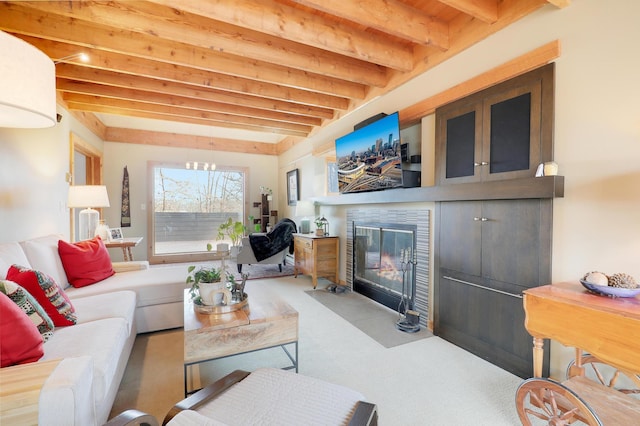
[481, 219]
[506, 293]
[482, 163]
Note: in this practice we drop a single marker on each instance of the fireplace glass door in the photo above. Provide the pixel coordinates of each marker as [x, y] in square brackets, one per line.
[383, 263]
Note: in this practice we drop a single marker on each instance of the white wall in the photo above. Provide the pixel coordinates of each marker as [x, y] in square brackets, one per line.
[597, 130]
[33, 190]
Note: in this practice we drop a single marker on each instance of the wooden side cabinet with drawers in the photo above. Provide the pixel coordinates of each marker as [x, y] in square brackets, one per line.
[316, 256]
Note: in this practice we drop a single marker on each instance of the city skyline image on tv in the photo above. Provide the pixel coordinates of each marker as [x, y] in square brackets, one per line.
[369, 158]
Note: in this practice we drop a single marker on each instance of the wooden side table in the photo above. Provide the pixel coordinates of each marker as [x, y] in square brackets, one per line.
[316, 256]
[125, 244]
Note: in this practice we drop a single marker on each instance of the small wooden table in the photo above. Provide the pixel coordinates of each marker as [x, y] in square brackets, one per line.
[125, 244]
[265, 322]
[316, 256]
[607, 328]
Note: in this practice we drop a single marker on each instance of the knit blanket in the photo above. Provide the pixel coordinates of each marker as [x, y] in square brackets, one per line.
[274, 241]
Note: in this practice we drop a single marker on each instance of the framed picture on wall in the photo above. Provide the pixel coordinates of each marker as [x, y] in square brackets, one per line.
[332, 176]
[293, 189]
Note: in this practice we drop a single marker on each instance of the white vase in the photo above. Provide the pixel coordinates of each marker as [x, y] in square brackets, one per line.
[102, 230]
[213, 294]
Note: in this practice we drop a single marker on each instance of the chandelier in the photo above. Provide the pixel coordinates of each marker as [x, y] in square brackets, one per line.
[205, 166]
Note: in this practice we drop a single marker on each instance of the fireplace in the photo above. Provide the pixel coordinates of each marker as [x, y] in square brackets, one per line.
[380, 244]
[383, 263]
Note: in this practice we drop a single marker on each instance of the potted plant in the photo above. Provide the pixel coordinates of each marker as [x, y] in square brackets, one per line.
[207, 287]
[234, 230]
[257, 227]
[320, 221]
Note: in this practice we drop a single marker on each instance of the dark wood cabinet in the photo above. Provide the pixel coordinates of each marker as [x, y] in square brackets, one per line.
[503, 132]
[488, 253]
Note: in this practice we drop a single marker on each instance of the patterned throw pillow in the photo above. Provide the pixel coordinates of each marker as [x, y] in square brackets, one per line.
[45, 290]
[29, 306]
[21, 342]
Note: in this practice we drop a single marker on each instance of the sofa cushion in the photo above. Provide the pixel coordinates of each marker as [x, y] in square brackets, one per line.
[29, 306]
[104, 341]
[115, 304]
[153, 286]
[11, 254]
[44, 289]
[85, 262]
[21, 341]
[43, 256]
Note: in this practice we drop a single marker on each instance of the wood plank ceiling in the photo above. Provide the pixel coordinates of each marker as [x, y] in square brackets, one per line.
[285, 67]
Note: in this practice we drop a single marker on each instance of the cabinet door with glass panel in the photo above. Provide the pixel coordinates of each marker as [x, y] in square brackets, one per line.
[503, 132]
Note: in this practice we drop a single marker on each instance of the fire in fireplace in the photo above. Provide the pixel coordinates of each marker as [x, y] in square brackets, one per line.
[384, 263]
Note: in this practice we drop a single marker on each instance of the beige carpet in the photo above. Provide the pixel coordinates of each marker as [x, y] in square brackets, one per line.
[425, 382]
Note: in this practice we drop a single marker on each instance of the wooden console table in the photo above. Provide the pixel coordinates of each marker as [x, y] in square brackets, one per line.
[608, 329]
[316, 256]
[125, 244]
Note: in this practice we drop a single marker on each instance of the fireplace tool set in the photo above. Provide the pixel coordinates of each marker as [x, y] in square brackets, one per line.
[408, 319]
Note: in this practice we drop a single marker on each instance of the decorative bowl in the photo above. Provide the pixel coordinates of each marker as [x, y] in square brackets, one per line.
[611, 291]
[234, 305]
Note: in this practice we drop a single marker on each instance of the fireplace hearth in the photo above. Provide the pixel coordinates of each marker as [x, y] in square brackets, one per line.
[388, 257]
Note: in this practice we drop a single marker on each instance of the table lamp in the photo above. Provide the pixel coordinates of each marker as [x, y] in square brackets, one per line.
[88, 196]
[305, 209]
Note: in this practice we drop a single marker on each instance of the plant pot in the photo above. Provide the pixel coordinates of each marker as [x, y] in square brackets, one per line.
[233, 251]
[319, 232]
[213, 294]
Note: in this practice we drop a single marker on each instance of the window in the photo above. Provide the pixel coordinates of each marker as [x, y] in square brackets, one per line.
[188, 205]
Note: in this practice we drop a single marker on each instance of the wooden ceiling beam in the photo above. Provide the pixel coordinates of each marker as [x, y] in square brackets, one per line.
[158, 32]
[391, 16]
[484, 10]
[275, 19]
[16, 18]
[197, 105]
[156, 112]
[169, 105]
[203, 78]
[110, 78]
[177, 140]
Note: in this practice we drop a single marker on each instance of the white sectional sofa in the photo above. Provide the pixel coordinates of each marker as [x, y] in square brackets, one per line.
[94, 352]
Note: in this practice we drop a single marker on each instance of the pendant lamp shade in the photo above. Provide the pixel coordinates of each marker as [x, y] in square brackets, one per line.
[27, 85]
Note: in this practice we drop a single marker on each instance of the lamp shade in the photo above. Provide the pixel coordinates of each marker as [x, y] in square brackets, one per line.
[27, 85]
[88, 196]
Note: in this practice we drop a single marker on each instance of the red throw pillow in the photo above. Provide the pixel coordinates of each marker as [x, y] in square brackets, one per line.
[85, 262]
[46, 292]
[21, 340]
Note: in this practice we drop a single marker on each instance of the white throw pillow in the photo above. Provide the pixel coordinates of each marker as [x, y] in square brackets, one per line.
[11, 254]
[43, 256]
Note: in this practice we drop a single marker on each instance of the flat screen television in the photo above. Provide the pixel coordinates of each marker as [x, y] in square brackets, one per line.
[369, 158]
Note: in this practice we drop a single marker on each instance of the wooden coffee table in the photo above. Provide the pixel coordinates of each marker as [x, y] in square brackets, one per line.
[265, 322]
